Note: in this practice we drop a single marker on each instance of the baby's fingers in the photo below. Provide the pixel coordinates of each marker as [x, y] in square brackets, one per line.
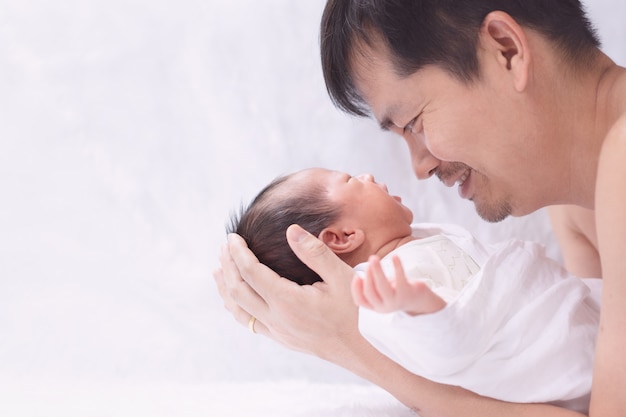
[358, 294]
[379, 289]
[381, 281]
[400, 277]
[370, 291]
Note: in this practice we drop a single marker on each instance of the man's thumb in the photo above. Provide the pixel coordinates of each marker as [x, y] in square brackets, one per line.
[315, 254]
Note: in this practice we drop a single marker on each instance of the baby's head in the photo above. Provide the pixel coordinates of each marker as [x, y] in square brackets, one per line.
[352, 215]
[280, 204]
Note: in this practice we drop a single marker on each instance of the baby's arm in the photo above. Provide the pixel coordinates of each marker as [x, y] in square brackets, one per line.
[377, 292]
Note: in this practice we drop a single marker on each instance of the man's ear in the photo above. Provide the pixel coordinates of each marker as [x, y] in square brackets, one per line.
[501, 34]
[342, 240]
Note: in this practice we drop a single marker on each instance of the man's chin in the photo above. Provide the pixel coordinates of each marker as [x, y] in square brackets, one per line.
[493, 213]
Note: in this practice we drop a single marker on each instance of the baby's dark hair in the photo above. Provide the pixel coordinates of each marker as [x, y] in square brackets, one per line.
[264, 222]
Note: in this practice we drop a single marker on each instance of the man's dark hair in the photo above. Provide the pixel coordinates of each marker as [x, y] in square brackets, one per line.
[264, 222]
[438, 32]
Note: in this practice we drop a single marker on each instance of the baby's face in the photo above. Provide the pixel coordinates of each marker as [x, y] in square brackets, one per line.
[364, 203]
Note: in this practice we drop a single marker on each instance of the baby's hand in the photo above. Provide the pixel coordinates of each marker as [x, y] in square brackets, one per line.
[385, 295]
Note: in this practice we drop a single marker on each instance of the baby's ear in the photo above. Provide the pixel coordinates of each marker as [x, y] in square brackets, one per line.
[342, 240]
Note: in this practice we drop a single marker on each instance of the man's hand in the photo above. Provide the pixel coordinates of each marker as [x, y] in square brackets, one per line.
[318, 319]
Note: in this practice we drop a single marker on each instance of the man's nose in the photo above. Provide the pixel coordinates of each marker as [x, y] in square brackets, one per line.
[423, 162]
[424, 166]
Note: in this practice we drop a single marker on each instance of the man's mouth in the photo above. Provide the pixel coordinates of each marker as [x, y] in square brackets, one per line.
[461, 180]
[456, 174]
[464, 184]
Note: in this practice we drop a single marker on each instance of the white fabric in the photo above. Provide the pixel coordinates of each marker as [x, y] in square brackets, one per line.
[439, 262]
[521, 330]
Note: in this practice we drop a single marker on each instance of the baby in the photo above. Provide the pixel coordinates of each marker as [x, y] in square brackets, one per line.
[502, 320]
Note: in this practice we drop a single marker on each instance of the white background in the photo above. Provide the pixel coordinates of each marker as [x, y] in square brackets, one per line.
[128, 132]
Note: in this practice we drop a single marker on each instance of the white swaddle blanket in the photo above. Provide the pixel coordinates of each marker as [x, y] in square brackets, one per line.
[517, 326]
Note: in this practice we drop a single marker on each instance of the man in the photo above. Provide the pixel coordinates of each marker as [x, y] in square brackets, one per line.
[513, 102]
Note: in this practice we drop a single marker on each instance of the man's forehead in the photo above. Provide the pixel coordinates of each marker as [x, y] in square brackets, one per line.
[380, 97]
[375, 80]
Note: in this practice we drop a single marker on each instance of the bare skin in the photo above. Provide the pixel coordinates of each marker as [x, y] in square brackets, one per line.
[348, 348]
[567, 146]
[575, 229]
[376, 291]
[609, 379]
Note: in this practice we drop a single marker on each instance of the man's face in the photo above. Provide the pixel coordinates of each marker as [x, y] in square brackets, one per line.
[471, 135]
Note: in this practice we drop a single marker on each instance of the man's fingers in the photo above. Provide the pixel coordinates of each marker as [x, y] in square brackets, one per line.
[239, 297]
[317, 256]
[218, 276]
[265, 282]
[255, 325]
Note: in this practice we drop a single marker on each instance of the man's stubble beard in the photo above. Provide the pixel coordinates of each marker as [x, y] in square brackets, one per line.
[492, 212]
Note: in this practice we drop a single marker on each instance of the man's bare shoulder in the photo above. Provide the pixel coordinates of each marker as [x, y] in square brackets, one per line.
[617, 133]
[615, 104]
[576, 218]
[575, 230]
